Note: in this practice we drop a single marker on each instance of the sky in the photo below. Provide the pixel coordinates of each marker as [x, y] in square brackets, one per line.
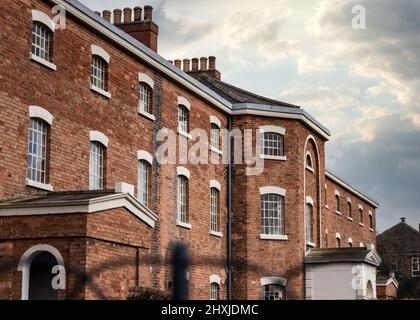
[362, 84]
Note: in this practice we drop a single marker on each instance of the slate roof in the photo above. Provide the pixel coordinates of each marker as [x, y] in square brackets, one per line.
[330, 255]
[403, 236]
[56, 198]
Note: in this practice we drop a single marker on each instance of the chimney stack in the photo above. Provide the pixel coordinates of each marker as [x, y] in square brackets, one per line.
[178, 63]
[106, 14]
[117, 16]
[199, 67]
[403, 219]
[127, 15]
[137, 13]
[143, 30]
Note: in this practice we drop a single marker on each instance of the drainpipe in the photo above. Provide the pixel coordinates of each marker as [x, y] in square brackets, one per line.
[229, 222]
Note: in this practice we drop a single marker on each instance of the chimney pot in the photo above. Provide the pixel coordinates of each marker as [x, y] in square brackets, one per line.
[171, 61]
[107, 15]
[148, 13]
[203, 63]
[186, 65]
[194, 64]
[127, 15]
[117, 16]
[98, 13]
[212, 63]
[137, 13]
[178, 63]
[403, 219]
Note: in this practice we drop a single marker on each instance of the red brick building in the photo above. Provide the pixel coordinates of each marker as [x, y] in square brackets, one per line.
[84, 105]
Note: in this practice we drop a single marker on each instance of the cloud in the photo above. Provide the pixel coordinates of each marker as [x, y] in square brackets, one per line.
[318, 64]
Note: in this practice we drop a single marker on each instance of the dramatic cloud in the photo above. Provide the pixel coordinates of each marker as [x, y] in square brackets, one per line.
[361, 84]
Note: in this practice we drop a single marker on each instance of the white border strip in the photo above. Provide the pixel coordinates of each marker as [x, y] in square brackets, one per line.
[144, 155]
[40, 16]
[273, 190]
[182, 171]
[146, 79]
[98, 51]
[99, 137]
[41, 113]
[215, 184]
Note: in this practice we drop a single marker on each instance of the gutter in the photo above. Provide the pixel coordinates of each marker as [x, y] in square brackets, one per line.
[229, 222]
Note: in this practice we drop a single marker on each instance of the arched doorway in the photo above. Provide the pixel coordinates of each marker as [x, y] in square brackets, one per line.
[40, 277]
[36, 265]
[369, 290]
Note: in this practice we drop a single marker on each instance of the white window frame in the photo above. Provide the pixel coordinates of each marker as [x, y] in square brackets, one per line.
[145, 79]
[412, 267]
[337, 237]
[280, 192]
[311, 169]
[350, 241]
[143, 186]
[360, 213]
[98, 137]
[337, 208]
[277, 281]
[276, 130]
[101, 53]
[183, 102]
[182, 172]
[214, 279]
[309, 201]
[214, 121]
[45, 20]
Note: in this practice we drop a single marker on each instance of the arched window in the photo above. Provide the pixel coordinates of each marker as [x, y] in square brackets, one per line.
[349, 210]
[215, 137]
[272, 142]
[350, 242]
[146, 98]
[183, 119]
[337, 202]
[41, 41]
[338, 240]
[96, 166]
[309, 163]
[309, 222]
[182, 202]
[273, 288]
[99, 76]
[214, 291]
[38, 151]
[361, 215]
[272, 214]
[370, 220]
[214, 210]
[143, 182]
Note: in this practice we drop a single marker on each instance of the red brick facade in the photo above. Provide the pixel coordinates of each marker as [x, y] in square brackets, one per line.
[115, 249]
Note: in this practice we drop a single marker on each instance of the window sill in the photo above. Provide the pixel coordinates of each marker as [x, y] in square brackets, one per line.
[310, 169]
[184, 225]
[310, 244]
[184, 134]
[100, 91]
[371, 230]
[147, 115]
[216, 234]
[350, 218]
[338, 213]
[278, 158]
[39, 185]
[44, 62]
[361, 224]
[274, 237]
[217, 151]
[326, 206]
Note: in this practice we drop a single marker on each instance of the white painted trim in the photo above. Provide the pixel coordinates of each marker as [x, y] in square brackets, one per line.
[273, 280]
[278, 158]
[39, 185]
[310, 244]
[26, 261]
[104, 93]
[184, 134]
[338, 236]
[146, 114]
[310, 201]
[183, 225]
[44, 62]
[109, 202]
[144, 155]
[338, 213]
[350, 240]
[123, 187]
[184, 102]
[370, 213]
[146, 79]
[312, 161]
[100, 52]
[182, 171]
[99, 137]
[360, 207]
[214, 278]
[277, 237]
[216, 234]
[215, 184]
[273, 190]
[336, 193]
[361, 224]
[350, 218]
[40, 16]
[217, 151]
[215, 120]
[348, 200]
[351, 189]
[361, 244]
[273, 129]
[41, 113]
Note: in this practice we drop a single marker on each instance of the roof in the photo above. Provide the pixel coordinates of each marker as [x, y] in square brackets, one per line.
[385, 280]
[76, 202]
[401, 237]
[333, 255]
[343, 183]
[237, 95]
[220, 97]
